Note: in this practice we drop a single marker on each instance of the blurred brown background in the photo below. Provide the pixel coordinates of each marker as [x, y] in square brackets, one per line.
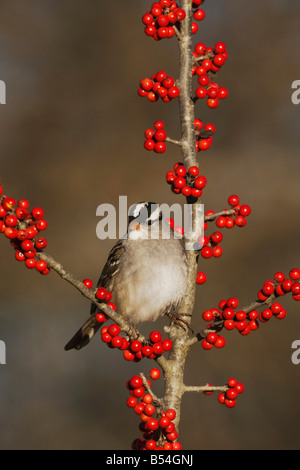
[71, 139]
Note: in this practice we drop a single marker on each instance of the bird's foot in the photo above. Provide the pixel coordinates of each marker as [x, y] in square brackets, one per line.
[134, 333]
[179, 320]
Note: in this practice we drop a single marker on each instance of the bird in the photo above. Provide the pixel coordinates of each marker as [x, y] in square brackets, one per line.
[146, 272]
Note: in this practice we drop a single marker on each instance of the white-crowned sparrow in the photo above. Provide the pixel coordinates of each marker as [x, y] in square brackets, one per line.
[145, 272]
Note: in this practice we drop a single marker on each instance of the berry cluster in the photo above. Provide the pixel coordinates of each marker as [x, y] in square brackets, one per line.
[157, 426]
[209, 61]
[186, 181]
[281, 286]
[210, 245]
[134, 350]
[213, 339]
[155, 138]
[229, 397]
[160, 20]
[239, 218]
[160, 85]
[22, 227]
[203, 135]
[230, 317]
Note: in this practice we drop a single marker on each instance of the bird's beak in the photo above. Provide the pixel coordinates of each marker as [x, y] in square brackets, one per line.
[134, 225]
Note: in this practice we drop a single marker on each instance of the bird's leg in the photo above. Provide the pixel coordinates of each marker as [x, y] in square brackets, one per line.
[133, 333]
[178, 320]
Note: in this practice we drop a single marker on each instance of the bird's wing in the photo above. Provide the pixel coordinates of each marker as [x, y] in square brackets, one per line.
[110, 269]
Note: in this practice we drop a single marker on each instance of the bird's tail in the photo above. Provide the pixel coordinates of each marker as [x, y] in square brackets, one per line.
[84, 334]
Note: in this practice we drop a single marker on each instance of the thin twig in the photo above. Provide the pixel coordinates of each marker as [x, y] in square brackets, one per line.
[148, 388]
[173, 141]
[205, 388]
[210, 217]
[177, 32]
[90, 295]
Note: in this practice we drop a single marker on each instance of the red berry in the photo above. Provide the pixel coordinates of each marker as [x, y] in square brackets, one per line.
[128, 355]
[146, 84]
[131, 402]
[276, 307]
[216, 237]
[41, 243]
[10, 232]
[8, 203]
[167, 344]
[201, 92]
[149, 144]
[206, 252]
[233, 200]
[41, 265]
[117, 342]
[41, 224]
[158, 348]
[230, 403]
[201, 278]
[200, 182]
[160, 147]
[181, 170]
[212, 337]
[199, 15]
[152, 424]
[114, 330]
[220, 343]
[231, 394]
[147, 398]
[136, 381]
[207, 315]
[88, 283]
[279, 277]
[180, 14]
[294, 274]
[155, 374]
[194, 27]
[37, 213]
[193, 170]
[27, 245]
[101, 293]
[155, 336]
[229, 324]
[232, 382]
[222, 93]
[147, 350]
[212, 103]
[30, 263]
[19, 255]
[239, 387]
[221, 398]
[11, 221]
[186, 191]
[135, 346]
[221, 221]
[245, 210]
[206, 345]
[220, 47]
[149, 410]
[164, 422]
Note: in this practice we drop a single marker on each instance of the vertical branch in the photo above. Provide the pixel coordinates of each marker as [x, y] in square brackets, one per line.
[185, 82]
[174, 385]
